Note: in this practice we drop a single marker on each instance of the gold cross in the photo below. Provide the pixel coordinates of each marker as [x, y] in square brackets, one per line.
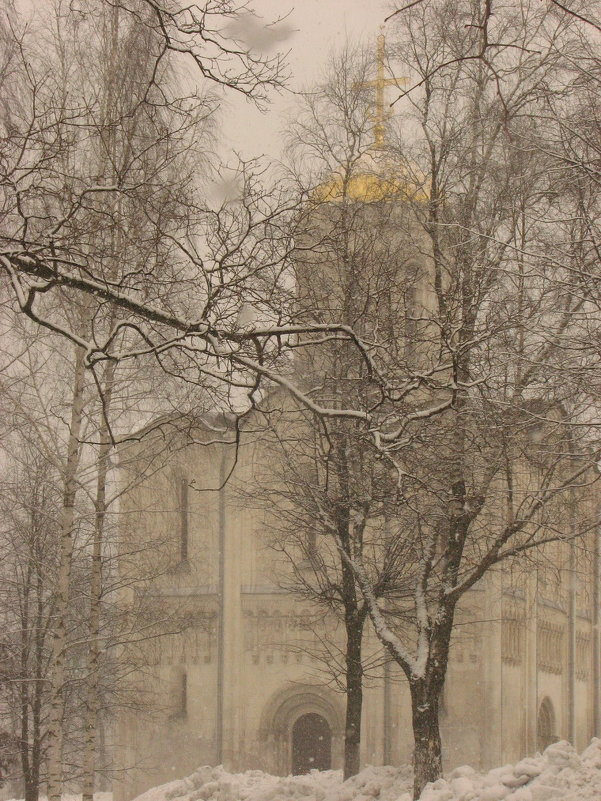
[380, 114]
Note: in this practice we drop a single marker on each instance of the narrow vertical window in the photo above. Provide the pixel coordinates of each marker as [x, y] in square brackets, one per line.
[183, 519]
[179, 694]
[183, 695]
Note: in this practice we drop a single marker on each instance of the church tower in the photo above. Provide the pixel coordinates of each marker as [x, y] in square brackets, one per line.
[360, 257]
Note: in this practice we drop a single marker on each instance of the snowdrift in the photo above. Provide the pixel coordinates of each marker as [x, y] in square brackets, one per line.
[559, 774]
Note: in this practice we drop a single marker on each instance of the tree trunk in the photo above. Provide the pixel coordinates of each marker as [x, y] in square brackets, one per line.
[93, 695]
[24, 685]
[59, 638]
[354, 700]
[427, 754]
[39, 686]
[92, 701]
[31, 790]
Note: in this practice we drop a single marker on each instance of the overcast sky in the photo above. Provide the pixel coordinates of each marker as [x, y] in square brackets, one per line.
[310, 32]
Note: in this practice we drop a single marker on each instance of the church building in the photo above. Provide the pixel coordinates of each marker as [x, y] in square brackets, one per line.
[241, 670]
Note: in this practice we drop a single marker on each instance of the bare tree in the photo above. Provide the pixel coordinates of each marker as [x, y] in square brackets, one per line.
[454, 414]
[310, 487]
[224, 257]
[29, 538]
[322, 489]
[487, 442]
[99, 90]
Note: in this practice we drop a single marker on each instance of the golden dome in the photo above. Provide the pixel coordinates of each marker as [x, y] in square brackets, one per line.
[374, 178]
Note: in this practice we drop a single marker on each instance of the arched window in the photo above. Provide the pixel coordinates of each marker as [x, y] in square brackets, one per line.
[311, 744]
[545, 725]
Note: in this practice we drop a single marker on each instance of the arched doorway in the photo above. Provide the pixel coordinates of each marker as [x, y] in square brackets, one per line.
[282, 724]
[545, 725]
[311, 744]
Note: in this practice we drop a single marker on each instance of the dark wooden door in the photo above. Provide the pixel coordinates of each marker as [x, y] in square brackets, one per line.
[311, 744]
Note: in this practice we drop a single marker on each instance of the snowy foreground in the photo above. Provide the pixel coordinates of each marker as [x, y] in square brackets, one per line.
[560, 774]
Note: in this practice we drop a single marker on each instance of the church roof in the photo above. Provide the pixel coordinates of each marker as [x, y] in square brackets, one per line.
[374, 177]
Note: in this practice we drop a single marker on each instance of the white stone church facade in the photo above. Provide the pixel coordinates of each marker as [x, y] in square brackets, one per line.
[237, 681]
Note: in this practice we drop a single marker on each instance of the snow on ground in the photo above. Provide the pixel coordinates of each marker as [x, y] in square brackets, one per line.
[216, 784]
[559, 774]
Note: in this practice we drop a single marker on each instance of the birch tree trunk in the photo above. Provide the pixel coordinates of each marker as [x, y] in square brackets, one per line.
[96, 586]
[38, 691]
[59, 638]
[33, 621]
[23, 690]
